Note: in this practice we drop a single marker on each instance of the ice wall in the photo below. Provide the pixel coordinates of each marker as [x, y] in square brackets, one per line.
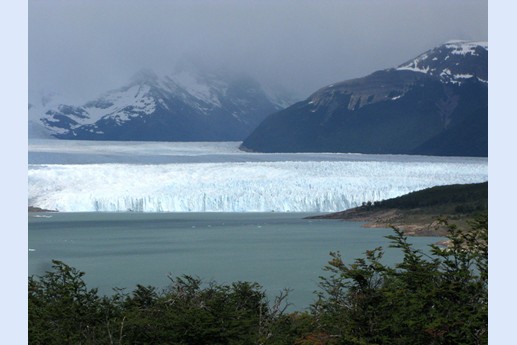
[237, 187]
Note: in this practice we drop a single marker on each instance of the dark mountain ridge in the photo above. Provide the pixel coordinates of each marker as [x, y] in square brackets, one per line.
[435, 104]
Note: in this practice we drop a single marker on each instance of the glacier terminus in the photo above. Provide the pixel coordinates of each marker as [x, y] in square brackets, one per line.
[89, 176]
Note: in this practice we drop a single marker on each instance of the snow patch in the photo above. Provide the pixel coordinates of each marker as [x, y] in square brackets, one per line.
[413, 66]
[137, 97]
[463, 76]
[196, 88]
[464, 47]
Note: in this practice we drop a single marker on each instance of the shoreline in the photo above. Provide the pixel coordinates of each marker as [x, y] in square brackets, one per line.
[411, 223]
[33, 209]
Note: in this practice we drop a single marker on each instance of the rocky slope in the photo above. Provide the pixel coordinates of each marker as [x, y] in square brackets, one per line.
[434, 104]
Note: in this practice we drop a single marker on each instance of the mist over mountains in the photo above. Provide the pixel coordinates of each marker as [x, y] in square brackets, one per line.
[433, 104]
[192, 104]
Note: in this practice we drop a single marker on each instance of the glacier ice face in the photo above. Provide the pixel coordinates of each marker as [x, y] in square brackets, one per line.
[85, 176]
[253, 186]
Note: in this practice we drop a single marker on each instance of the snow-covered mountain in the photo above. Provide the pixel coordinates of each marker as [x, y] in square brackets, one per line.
[453, 62]
[434, 104]
[185, 106]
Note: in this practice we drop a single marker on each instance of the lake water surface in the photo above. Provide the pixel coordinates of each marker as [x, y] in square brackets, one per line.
[277, 250]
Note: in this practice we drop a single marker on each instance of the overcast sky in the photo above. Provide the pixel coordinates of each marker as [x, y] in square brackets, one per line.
[83, 48]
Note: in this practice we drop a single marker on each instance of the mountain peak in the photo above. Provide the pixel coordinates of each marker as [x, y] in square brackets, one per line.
[434, 104]
[185, 106]
[455, 62]
[467, 45]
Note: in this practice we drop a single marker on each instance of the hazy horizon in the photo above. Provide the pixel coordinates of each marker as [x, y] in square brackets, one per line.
[80, 49]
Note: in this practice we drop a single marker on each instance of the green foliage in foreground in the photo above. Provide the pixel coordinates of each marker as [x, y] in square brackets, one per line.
[436, 299]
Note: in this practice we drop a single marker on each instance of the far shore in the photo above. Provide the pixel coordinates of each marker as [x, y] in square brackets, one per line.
[427, 212]
[38, 209]
[412, 224]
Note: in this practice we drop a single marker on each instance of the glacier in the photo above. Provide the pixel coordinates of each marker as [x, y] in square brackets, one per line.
[228, 181]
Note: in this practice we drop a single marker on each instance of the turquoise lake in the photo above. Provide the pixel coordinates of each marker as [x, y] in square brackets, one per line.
[277, 250]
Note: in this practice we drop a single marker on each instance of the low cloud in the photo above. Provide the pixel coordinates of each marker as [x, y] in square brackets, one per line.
[82, 48]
